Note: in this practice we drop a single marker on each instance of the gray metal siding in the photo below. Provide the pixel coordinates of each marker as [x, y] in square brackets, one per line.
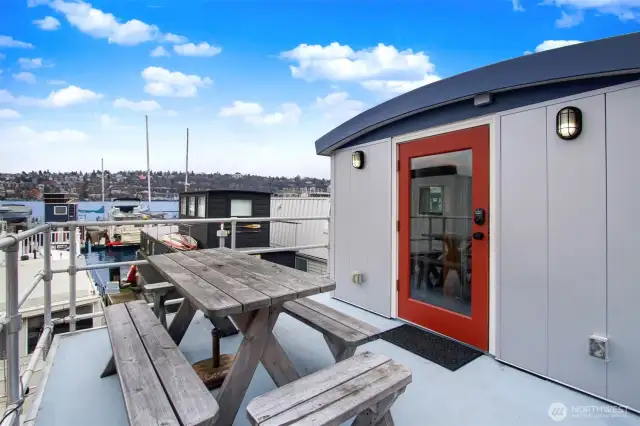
[523, 240]
[363, 228]
[501, 102]
[577, 247]
[623, 285]
[301, 232]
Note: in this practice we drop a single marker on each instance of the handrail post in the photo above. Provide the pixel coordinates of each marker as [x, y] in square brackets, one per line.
[72, 278]
[12, 329]
[234, 222]
[47, 289]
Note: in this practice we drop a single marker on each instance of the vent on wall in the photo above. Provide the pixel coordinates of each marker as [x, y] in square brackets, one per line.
[598, 347]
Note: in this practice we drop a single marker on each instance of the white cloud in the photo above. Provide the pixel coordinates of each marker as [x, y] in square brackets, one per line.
[162, 82]
[57, 82]
[338, 106]
[138, 106]
[397, 87]
[200, 49]
[570, 20]
[254, 113]
[174, 38]
[29, 135]
[68, 96]
[625, 10]
[30, 63]
[25, 77]
[159, 51]
[8, 114]
[517, 6]
[71, 95]
[107, 121]
[241, 109]
[171, 113]
[375, 68]
[553, 44]
[99, 24]
[8, 41]
[48, 23]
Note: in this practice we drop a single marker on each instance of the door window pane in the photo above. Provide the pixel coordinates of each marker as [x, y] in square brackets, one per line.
[441, 206]
[192, 206]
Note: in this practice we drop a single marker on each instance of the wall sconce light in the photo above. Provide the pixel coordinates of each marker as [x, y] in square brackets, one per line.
[357, 159]
[569, 123]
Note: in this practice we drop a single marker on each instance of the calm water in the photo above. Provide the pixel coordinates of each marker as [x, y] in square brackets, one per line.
[101, 277]
[170, 207]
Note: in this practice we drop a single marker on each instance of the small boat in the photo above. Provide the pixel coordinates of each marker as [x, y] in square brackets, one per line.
[179, 241]
[14, 213]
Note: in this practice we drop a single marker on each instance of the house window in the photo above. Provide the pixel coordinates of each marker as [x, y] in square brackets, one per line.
[240, 208]
[60, 210]
[431, 200]
[183, 205]
[302, 264]
[202, 212]
[192, 206]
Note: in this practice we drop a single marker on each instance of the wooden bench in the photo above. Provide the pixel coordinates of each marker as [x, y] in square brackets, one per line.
[158, 384]
[365, 386]
[342, 333]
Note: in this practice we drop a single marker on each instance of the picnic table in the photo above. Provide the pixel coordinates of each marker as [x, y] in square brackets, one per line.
[251, 291]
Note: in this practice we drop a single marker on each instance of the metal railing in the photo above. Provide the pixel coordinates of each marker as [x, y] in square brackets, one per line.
[11, 323]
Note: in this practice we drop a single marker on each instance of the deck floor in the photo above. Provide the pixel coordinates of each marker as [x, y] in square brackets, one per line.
[484, 392]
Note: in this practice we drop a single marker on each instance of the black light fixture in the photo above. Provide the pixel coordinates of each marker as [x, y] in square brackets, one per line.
[357, 159]
[569, 123]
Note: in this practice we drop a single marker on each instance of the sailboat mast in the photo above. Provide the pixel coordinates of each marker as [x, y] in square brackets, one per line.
[186, 169]
[146, 119]
[102, 162]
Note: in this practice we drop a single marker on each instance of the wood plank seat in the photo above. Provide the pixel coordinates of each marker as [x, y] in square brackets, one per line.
[364, 386]
[342, 333]
[158, 384]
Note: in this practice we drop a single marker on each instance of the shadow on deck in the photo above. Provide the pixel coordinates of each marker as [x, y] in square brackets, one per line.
[484, 392]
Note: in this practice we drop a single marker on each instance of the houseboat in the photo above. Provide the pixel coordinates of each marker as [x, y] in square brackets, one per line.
[493, 207]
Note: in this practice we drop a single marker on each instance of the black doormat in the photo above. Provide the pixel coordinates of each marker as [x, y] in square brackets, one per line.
[444, 352]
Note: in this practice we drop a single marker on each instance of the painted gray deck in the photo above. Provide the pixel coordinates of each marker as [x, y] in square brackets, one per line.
[481, 393]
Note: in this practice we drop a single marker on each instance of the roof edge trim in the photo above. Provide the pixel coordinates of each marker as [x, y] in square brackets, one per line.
[327, 151]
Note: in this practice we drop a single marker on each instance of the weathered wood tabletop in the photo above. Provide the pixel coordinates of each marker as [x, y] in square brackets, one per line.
[250, 291]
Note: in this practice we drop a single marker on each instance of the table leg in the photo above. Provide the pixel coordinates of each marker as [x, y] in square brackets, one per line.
[259, 326]
[181, 321]
[274, 359]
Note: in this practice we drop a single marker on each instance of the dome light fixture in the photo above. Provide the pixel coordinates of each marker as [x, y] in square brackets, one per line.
[569, 123]
[357, 159]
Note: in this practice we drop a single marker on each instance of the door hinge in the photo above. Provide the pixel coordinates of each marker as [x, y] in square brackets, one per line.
[398, 166]
[398, 225]
[397, 285]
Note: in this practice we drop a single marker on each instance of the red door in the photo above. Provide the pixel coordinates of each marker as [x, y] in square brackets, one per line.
[443, 249]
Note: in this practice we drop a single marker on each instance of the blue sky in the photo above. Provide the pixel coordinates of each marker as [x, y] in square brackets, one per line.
[256, 82]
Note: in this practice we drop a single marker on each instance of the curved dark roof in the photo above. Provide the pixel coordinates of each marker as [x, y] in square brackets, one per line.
[611, 55]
